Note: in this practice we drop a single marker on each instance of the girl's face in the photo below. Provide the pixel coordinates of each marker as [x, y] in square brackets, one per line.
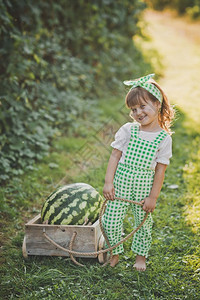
[146, 113]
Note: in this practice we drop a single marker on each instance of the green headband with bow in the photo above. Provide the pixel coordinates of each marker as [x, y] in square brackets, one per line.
[143, 82]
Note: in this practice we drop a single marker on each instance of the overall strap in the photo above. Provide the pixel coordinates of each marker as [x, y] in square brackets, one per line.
[160, 137]
[135, 130]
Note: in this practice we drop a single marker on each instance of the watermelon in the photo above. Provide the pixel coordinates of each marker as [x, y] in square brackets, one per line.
[71, 205]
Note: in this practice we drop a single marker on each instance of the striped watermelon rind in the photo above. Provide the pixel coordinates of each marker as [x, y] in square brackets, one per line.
[71, 205]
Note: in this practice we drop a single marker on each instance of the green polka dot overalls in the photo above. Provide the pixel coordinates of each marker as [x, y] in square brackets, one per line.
[133, 180]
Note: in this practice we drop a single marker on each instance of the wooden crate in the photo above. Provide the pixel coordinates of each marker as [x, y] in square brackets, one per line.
[88, 239]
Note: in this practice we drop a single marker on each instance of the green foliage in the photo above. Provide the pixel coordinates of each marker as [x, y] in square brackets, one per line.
[56, 57]
[194, 11]
[191, 7]
[158, 4]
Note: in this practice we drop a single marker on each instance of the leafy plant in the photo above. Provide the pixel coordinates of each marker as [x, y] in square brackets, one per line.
[190, 7]
[56, 58]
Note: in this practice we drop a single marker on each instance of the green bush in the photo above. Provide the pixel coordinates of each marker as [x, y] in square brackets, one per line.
[190, 7]
[194, 12]
[56, 57]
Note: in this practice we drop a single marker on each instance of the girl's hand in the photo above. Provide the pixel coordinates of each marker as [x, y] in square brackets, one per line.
[149, 204]
[109, 191]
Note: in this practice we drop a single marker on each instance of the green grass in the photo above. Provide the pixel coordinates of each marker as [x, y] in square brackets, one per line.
[173, 265]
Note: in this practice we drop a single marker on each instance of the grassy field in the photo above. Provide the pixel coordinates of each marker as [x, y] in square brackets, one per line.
[173, 265]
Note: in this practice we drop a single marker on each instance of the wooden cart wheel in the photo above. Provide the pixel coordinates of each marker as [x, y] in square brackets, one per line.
[103, 256]
[24, 252]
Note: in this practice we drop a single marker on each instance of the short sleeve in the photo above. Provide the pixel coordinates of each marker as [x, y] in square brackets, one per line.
[122, 136]
[165, 151]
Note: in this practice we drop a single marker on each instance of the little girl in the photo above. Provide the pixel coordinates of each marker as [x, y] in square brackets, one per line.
[136, 168]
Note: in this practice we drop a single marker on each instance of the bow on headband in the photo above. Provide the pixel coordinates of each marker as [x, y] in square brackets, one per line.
[143, 82]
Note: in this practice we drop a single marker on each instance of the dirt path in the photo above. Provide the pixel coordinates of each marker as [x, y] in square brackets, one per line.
[178, 42]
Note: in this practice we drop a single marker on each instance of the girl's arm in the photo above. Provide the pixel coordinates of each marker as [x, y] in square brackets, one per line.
[150, 201]
[108, 190]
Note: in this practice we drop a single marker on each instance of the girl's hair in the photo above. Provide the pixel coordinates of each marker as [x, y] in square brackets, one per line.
[166, 113]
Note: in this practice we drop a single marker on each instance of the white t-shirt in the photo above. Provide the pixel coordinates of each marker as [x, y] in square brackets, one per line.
[122, 138]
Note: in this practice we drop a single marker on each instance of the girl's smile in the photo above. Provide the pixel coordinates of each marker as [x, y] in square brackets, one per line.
[146, 113]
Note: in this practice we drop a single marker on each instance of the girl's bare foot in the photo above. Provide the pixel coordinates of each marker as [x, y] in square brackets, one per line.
[140, 263]
[114, 260]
